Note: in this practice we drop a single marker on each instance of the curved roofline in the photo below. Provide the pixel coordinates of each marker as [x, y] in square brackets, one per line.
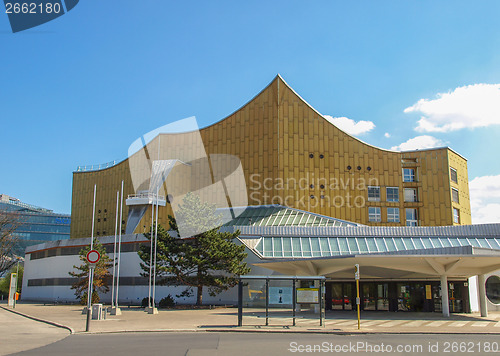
[279, 77]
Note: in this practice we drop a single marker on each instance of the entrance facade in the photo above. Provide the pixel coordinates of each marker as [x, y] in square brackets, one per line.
[414, 296]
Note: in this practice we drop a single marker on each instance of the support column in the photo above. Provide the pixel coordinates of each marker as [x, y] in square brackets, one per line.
[445, 306]
[481, 285]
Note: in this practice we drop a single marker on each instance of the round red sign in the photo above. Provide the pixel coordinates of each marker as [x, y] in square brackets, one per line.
[93, 256]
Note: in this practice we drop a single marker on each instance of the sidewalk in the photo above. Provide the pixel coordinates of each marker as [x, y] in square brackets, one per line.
[225, 319]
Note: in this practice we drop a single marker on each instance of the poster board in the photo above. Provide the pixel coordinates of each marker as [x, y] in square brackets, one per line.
[280, 295]
[307, 295]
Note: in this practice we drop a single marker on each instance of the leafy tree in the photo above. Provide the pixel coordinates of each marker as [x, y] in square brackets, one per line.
[207, 259]
[101, 274]
[9, 222]
[5, 281]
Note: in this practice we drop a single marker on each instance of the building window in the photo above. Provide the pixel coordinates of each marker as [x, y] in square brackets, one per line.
[454, 195]
[453, 175]
[411, 195]
[374, 214]
[408, 175]
[392, 194]
[456, 216]
[373, 193]
[393, 214]
[411, 217]
[493, 289]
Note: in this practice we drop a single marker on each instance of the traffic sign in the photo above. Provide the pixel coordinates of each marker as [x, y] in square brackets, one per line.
[93, 256]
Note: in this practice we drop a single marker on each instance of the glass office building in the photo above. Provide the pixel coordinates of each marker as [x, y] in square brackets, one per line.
[38, 225]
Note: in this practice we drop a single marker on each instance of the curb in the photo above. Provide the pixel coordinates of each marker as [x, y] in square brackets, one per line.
[71, 331]
[275, 331]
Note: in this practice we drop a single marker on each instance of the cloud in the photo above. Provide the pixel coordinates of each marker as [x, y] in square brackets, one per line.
[419, 142]
[485, 199]
[387, 134]
[469, 106]
[350, 126]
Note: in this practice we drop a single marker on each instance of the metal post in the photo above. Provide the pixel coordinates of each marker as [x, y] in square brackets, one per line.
[358, 302]
[89, 297]
[294, 300]
[151, 253]
[267, 301]
[320, 303]
[91, 270]
[93, 219]
[114, 252]
[240, 302]
[156, 242]
[119, 248]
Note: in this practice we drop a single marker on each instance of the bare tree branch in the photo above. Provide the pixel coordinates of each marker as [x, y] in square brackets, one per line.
[9, 222]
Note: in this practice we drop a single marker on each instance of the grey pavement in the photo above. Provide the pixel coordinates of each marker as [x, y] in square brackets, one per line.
[244, 343]
[18, 333]
[225, 319]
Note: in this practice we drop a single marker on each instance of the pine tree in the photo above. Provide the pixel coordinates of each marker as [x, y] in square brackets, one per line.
[101, 274]
[208, 259]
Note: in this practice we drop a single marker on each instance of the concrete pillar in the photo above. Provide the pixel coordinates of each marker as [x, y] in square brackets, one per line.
[444, 296]
[483, 305]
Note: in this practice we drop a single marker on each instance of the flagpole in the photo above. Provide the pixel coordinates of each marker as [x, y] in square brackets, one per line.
[114, 252]
[151, 253]
[119, 249]
[156, 243]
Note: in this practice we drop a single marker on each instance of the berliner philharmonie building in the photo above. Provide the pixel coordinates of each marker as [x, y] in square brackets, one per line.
[309, 200]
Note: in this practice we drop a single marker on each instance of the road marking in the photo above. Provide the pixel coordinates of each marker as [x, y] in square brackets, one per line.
[392, 323]
[371, 322]
[436, 323]
[458, 324]
[497, 324]
[347, 323]
[481, 323]
[415, 323]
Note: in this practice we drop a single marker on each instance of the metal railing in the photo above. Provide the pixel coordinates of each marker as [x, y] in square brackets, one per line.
[145, 195]
[95, 167]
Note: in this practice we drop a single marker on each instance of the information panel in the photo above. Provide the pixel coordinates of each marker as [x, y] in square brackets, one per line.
[280, 295]
[308, 295]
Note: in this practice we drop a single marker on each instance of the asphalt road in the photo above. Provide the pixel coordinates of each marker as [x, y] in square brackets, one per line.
[208, 344]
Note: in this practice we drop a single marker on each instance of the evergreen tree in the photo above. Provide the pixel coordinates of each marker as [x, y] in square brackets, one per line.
[207, 259]
[101, 274]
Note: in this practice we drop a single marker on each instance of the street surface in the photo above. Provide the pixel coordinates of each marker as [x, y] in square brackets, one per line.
[19, 333]
[230, 343]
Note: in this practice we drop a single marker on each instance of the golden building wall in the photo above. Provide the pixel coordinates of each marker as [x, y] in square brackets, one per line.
[274, 136]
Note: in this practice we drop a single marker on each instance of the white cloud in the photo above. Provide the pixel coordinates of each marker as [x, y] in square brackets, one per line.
[419, 142]
[485, 199]
[350, 126]
[469, 106]
[387, 135]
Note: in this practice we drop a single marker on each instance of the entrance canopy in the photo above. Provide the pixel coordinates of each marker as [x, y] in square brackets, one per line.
[453, 262]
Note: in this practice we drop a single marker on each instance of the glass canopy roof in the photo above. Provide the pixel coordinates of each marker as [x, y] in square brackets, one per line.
[297, 247]
[277, 215]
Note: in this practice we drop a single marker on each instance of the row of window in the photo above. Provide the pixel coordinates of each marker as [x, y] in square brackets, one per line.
[375, 215]
[392, 194]
[409, 175]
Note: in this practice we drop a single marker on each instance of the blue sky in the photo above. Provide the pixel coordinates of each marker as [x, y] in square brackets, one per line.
[80, 89]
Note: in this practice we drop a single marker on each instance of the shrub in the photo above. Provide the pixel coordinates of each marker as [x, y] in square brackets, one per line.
[144, 302]
[167, 302]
